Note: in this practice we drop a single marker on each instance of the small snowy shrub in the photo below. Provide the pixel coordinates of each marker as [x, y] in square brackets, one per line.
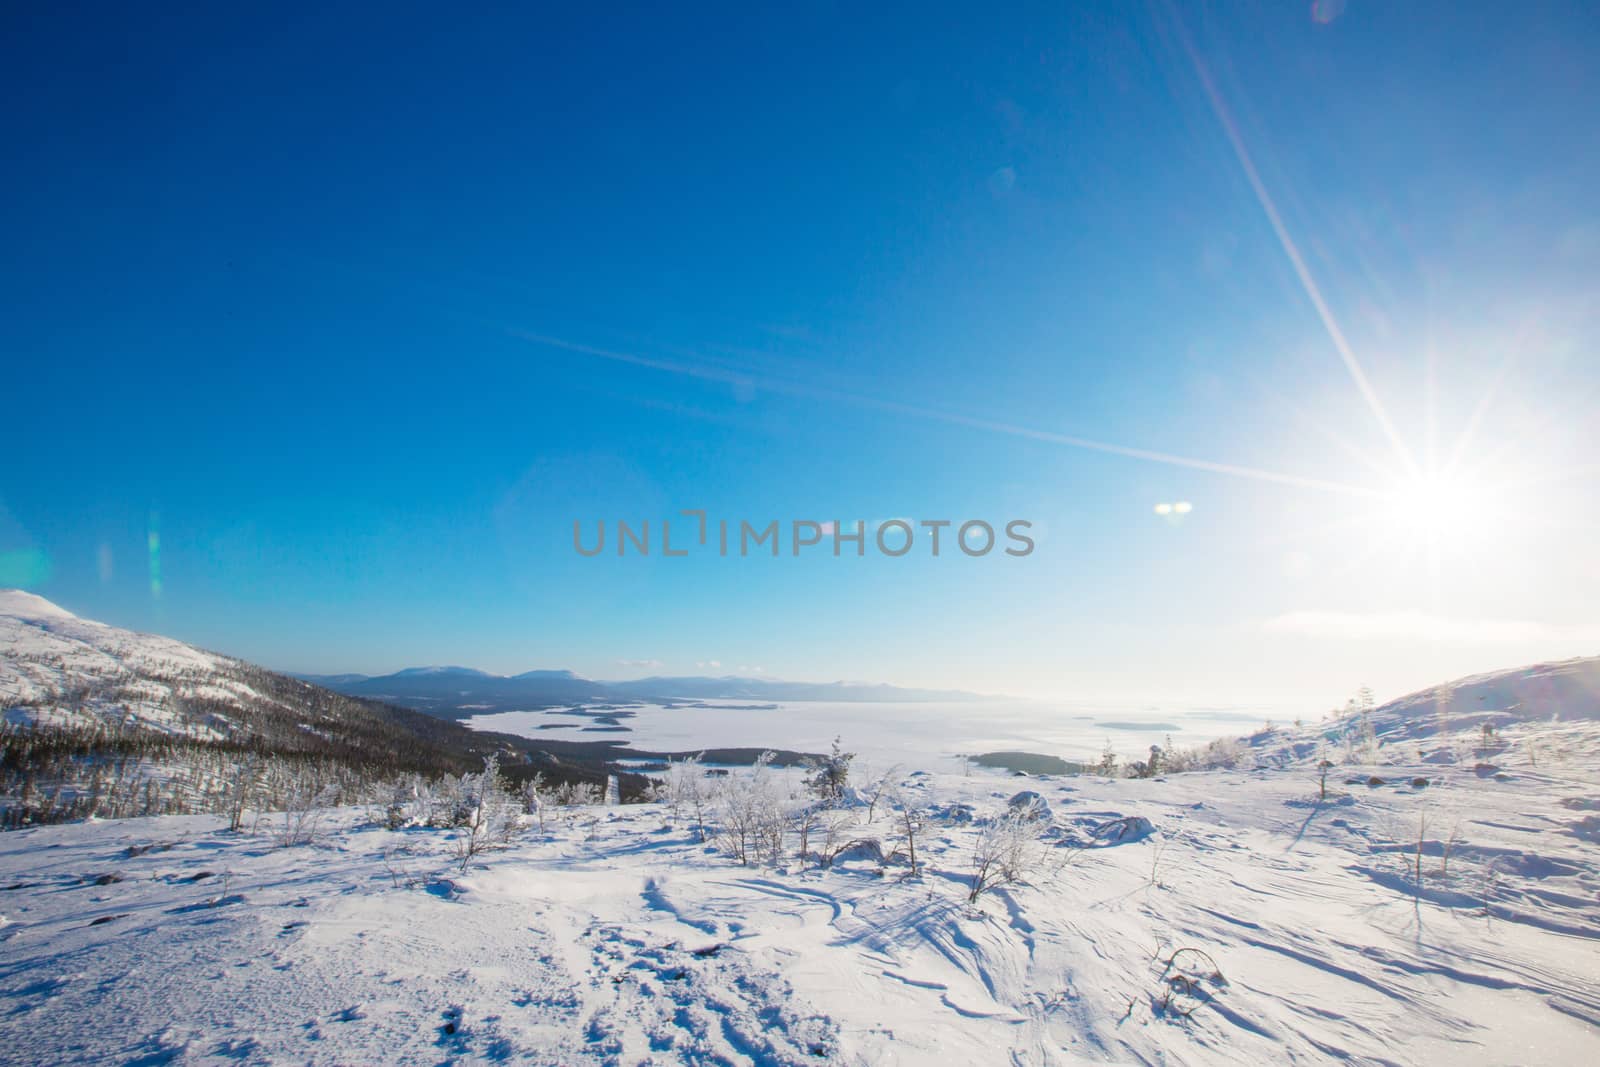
[909, 821]
[688, 790]
[804, 816]
[1008, 848]
[578, 795]
[836, 834]
[753, 815]
[302, 812]
[877, 787]
[861, 849]
[1324, 765]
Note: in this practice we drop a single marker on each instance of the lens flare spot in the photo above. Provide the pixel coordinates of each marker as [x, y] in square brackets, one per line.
[153, 540]
[24, 568]
[1325, 11]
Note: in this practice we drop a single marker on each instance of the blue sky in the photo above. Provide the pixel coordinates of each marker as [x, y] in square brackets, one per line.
[281, 288]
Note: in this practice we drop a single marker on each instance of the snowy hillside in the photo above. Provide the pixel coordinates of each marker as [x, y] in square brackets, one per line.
[1567, 691]
[59, 670]
[62, 669]
[1254, 923]
[1546, 705]
[103, 721]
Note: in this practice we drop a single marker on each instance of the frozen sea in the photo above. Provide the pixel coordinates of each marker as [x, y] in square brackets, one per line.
[923, 733]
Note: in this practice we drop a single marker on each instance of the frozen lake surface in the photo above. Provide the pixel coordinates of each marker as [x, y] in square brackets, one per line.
[889, 731]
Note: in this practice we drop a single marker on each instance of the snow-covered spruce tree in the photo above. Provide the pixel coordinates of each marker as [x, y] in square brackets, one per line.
[829, 775]
[1366, 740]
[444, 804]
[490, 815]
[402, 805]
[1147, 768]
[1108, 761]
[1176, 760]
[426, 806]
[536, 798]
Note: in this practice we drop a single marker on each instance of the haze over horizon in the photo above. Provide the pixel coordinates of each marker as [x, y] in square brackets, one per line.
[323, 335]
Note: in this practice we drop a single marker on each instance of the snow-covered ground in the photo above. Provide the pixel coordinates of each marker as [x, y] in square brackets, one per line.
[616, 936]
[1440, 904]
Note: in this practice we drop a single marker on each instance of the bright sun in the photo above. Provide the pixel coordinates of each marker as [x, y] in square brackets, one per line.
[1439, 510]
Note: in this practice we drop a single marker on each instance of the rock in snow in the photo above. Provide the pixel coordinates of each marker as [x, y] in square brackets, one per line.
[1128, 828]
[1029, 805]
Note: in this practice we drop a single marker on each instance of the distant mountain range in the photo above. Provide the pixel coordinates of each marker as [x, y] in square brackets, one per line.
[461, 692]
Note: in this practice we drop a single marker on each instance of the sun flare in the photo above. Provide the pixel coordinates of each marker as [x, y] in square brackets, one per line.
[1440, 510]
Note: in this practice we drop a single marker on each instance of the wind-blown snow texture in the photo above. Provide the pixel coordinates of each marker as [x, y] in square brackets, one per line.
[618, 938]
[1440, 904]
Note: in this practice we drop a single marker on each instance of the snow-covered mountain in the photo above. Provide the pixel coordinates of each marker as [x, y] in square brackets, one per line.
[85, 693]
[59, 670]
[1564, 691]
[462, 692]
[459, 692]
[1456, 721]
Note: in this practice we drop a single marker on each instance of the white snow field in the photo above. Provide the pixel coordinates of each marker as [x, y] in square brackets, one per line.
[616, 936]
[1441, 903]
